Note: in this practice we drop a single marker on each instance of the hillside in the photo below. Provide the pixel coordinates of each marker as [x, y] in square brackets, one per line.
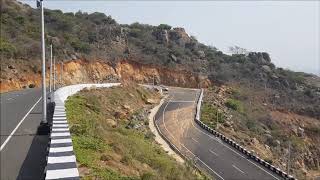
[260, 99]
[112, 139]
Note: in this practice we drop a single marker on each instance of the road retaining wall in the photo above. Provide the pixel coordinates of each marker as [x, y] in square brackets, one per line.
[61, 161]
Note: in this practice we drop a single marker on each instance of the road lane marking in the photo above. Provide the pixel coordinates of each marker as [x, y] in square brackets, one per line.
[237, 169]
[182, 101]
[211, 137]
[16, 128]
[184, 145]
[195, 140]
[218, 140]
[213, 152]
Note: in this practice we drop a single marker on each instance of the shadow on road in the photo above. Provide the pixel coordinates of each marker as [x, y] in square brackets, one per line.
[33, 166]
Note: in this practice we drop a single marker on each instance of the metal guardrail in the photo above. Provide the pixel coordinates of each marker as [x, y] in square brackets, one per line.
[243, 150]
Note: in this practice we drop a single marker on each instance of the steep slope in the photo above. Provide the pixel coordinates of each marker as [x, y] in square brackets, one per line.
[82, 71]
[95, 48]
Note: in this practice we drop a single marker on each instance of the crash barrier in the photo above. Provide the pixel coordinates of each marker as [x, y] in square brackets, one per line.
[61, 161]
[237, 146]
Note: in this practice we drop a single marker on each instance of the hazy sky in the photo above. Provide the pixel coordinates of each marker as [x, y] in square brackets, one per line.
[288, 30]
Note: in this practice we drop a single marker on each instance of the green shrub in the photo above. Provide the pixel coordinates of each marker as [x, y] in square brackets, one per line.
[6, 48]
[234, 104]
[80, 46]
[164, 27]
[210, 115]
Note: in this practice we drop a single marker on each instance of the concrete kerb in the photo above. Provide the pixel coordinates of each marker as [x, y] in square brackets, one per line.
[235, 145]
[61, 161]
[173, 147]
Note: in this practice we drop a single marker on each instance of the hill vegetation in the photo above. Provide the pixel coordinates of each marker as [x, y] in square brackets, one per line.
[263, 99]
[112, 140]
[97, 36]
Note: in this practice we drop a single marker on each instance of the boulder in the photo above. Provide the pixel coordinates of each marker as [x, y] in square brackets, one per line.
[201, 54]
[73, 57]
[151, 101]
[111, 123]
[254, 141]
[173, 58]
[11, 67]
[267, 147]
[300, 132]
[266, 68]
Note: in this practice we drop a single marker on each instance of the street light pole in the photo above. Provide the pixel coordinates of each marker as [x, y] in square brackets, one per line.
[54, 73]
[50, 75]
[289, 158]
[61, 73]
[44, 95]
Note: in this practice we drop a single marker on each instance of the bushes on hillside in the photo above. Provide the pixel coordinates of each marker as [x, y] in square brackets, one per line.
[7, 49]
[234, 104]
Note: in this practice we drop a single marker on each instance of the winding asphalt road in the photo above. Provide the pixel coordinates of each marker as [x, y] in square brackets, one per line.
[175, 120]
[23, 152]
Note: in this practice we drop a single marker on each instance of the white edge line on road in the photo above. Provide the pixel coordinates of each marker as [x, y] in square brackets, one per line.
[195, 140]
[184, 145]
[16, 128]
[213, 152]
[212, 137]
[238, 169]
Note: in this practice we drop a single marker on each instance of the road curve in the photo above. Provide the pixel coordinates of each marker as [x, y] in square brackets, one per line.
[175, 120]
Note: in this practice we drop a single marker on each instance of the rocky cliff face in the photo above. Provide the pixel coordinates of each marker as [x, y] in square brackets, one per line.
[82, 71]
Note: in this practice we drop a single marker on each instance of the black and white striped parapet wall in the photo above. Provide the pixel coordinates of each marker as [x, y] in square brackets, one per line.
[61, 160]
[236, 145]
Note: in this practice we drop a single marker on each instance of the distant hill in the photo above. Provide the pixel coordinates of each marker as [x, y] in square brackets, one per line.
[97, 36]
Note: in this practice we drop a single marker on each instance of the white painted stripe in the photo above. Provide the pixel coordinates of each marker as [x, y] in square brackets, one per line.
[60, 122]
[16, 128]
[54, 134]
[184, 145]
[182, 101]
[213, 152]
[61, 159]
[59, 125]
[58, 130]
[59, 118]
[212, 137]
[61, 149]
[62, 173]
[60, 110]
[59, 106]
[237, 169]
[195, 140]
[57, 141]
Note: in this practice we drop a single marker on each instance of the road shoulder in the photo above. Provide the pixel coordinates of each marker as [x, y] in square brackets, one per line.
[158, 138]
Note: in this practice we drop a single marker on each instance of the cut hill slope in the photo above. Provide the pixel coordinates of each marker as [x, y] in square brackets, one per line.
[96, 36]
